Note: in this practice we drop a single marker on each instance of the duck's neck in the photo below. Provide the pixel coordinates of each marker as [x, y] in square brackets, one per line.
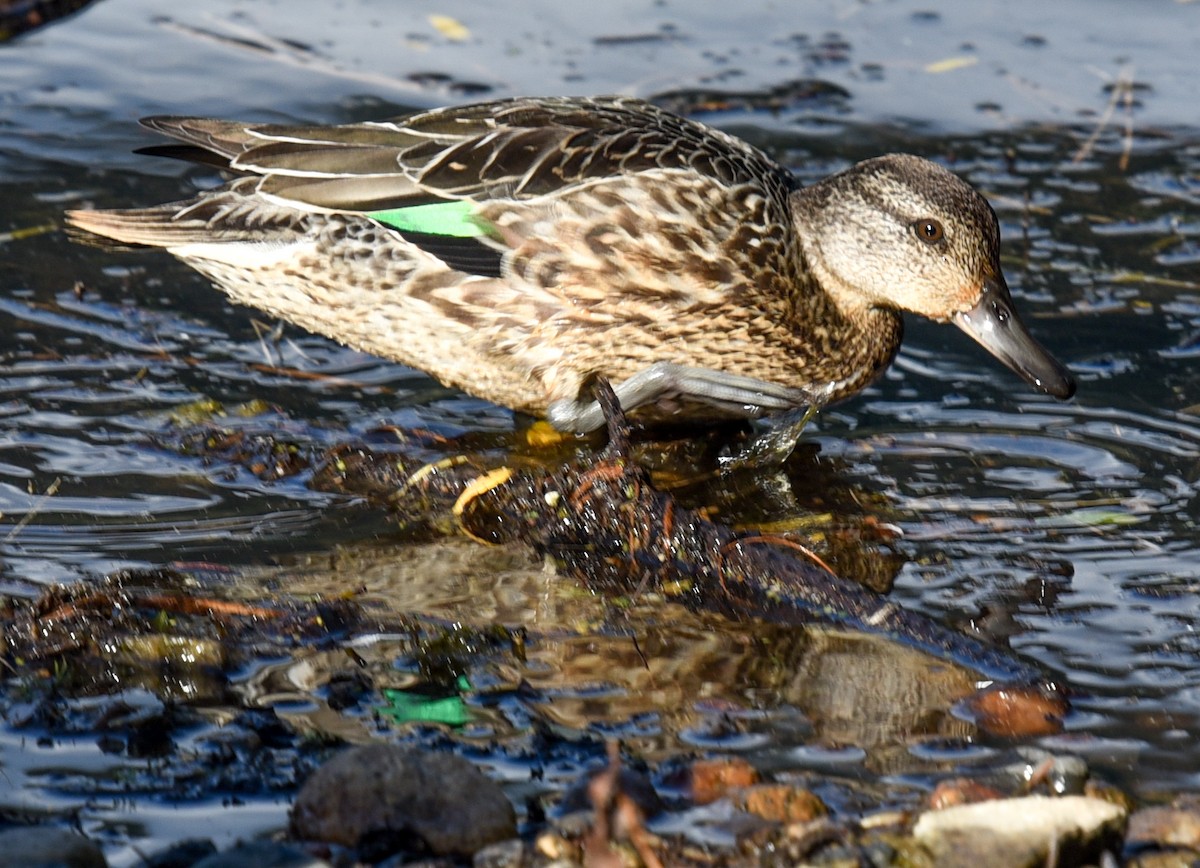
[856, 340]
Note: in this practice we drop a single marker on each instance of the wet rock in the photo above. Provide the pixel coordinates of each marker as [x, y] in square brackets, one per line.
[1098, 788]
[45, 847]
[780, 803]
[1162, 859]
[556, 848]
[1160, 826]
[386, 798]
[150, 739]
[183, 854]
[961, 791]
[1017, 712]
[262, 854]
[1056, 774]
[713, 779]
[1022, 832]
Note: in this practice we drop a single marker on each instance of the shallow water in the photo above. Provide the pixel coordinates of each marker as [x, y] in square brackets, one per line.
[1067, 530]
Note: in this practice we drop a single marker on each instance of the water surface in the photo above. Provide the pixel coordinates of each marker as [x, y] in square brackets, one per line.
[1066, 530]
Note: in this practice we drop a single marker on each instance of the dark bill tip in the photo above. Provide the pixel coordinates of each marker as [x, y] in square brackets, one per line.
[994, 323]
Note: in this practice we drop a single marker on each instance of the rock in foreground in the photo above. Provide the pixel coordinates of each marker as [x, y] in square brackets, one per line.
[45, 847]
[1013, 833]
[385, 798]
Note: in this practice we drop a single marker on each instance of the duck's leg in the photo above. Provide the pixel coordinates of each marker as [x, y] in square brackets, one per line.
[732, 394]
[772, 447]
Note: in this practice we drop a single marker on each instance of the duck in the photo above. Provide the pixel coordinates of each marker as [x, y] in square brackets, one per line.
[518, 249]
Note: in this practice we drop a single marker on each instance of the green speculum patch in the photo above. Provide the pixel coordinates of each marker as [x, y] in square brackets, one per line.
[452, 219]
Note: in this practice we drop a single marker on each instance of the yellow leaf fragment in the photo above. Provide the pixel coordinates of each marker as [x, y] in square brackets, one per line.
[451, 28]
[950, 64]
[542, 435]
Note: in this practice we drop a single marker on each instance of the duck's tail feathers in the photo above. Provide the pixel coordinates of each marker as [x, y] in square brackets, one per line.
[144, 227]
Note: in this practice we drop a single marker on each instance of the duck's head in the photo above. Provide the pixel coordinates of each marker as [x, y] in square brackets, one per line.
[903, 233]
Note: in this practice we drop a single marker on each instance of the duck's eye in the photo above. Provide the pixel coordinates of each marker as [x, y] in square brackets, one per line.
[929, 230]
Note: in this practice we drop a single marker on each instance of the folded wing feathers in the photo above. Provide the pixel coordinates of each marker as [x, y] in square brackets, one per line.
[518, 148]
[508, 149]
[318, 160]
[361, 193]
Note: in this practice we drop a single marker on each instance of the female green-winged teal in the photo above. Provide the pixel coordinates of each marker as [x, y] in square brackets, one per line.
[515, 249]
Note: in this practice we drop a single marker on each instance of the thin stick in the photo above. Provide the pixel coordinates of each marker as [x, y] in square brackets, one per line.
[1127, 145]
[1121, 85]
[51, 490]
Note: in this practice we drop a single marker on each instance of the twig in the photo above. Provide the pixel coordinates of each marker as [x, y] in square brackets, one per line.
[331, 380]
[51, 490]
[1122, 89]
[1127, 144]
[27, 232]
[774, 540]
[268, 338]
[615, 814]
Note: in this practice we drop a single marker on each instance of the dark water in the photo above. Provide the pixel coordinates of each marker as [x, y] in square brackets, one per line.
[1068, 530]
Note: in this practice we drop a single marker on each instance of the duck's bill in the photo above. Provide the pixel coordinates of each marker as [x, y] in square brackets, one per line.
[995, 324]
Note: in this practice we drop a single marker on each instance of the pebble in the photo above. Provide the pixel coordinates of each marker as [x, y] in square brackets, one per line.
[961, 791]
[48, 847]
[1159, 859]
[556, 848]
[1017, 711]
[713, 779]
[1005, 833]
[1161, 826]
[384, 793]
[781, 803]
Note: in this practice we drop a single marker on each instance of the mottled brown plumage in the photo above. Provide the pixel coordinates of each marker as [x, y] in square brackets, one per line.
[581, 237]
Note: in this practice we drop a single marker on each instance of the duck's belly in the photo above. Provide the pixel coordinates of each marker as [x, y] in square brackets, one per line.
[510, 345]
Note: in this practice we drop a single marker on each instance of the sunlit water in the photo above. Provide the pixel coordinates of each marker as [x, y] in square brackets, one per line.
[1067, 530]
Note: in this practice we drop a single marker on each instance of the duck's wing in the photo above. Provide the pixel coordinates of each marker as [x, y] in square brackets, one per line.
[500, 185]
[508, 149]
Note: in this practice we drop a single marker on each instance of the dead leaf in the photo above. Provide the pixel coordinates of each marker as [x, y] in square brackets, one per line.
[950, 64]
[451, 28]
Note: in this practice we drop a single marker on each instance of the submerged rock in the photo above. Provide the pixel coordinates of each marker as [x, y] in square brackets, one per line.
[1014, 833]
[712, 779]
[385, 798]
[781, 803]
[262, 854]
[182, 854]
[45, 847]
